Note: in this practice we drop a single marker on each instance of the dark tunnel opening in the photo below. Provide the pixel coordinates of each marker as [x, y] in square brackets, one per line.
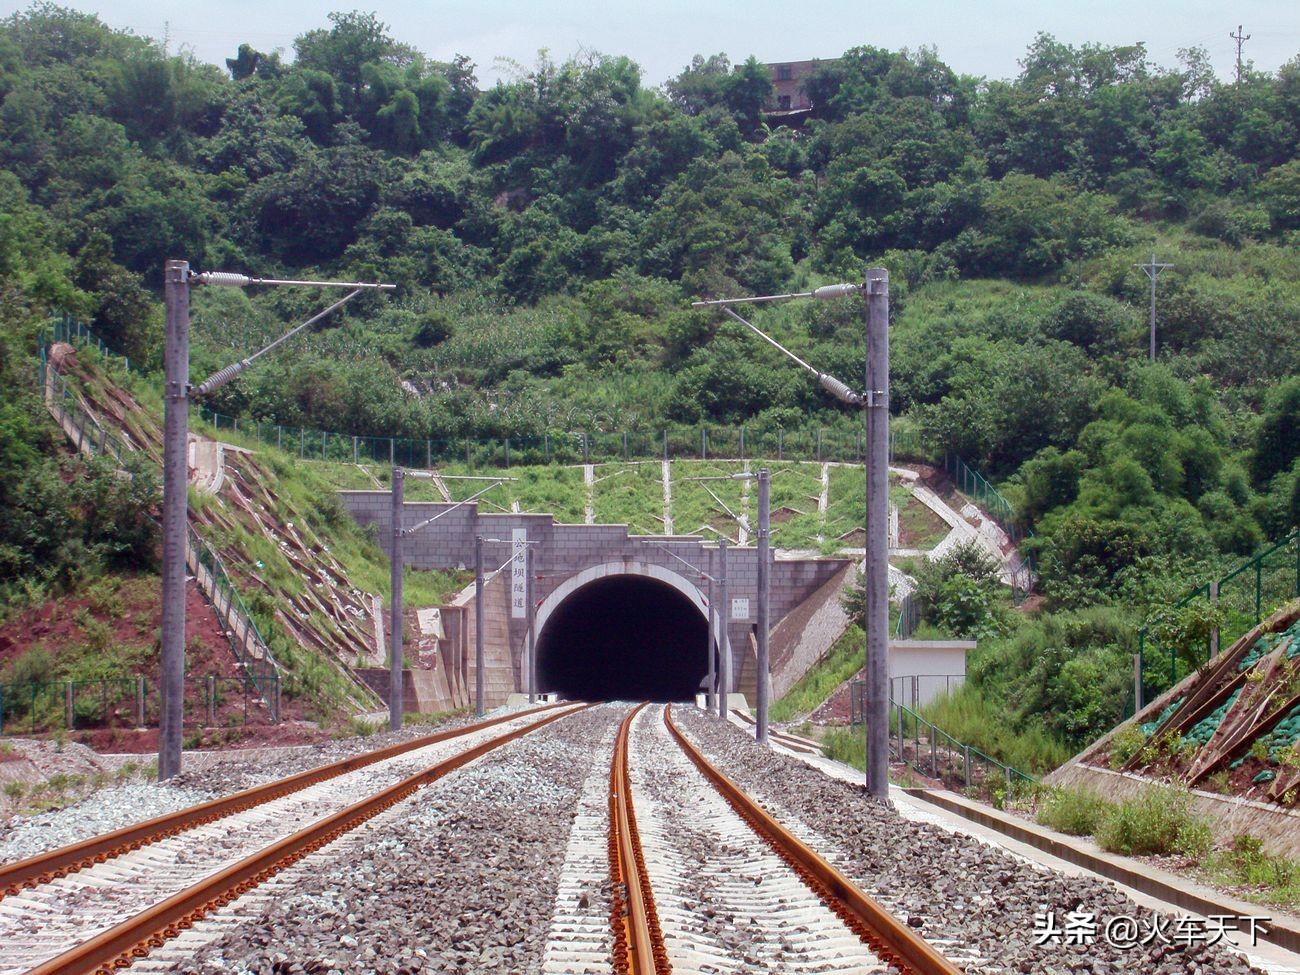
[624, 638]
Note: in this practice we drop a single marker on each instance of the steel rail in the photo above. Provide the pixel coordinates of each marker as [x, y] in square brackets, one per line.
[53, 864]
[131, 940]
[638, 939]
[896, 943]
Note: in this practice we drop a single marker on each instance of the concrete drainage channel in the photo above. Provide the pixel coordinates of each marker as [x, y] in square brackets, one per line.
[536, 844]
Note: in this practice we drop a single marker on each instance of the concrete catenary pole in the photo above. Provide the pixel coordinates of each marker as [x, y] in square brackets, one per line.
[532, 637]
[724, 640]
[711, 678]
[764, 597]
[877, 529]
[176, 421]
[396, 686]
[478, 626]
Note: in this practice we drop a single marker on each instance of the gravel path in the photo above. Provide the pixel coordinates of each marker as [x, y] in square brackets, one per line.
[951, 887]
[100, 812]
[464, 879]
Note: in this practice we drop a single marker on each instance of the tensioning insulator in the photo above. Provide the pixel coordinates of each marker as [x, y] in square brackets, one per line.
[225, 279]
[828, 291]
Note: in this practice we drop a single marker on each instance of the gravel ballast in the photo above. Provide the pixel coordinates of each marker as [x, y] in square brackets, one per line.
[463, 881]
[947, 885]
[113, 807]
[101, 812]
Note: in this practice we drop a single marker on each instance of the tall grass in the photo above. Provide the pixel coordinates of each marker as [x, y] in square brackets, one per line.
[970, 717]
[1158, 820]
[844, 660]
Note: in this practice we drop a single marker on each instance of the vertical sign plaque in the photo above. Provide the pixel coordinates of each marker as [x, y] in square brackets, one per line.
[518, 574]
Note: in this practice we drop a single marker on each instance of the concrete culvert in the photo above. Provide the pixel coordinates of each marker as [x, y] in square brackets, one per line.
[624, 638]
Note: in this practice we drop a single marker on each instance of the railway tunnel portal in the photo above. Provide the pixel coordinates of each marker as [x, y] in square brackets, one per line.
[616, 615]
[623, 631]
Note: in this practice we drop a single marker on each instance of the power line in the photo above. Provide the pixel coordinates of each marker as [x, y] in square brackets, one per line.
[1241, 39]
[1152, 270]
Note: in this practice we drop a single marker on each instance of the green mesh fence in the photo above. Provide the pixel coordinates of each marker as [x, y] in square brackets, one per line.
[246, 641]
[1243, 597]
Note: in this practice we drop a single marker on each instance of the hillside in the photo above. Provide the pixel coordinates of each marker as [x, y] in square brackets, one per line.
[313, 583]
[546, 237]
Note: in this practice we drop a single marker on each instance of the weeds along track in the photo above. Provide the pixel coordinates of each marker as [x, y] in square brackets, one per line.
[110, 900]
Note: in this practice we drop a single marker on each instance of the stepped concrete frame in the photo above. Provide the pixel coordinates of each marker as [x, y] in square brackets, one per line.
[569, 557]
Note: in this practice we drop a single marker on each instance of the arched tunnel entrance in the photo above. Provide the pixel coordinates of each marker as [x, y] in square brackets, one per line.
[623, 637]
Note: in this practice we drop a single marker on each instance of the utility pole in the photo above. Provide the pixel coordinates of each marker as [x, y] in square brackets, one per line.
[711, 678]
[478, 625]
[876, 402]
[532, 616]
[764, 593]
[724, 640]
[1241, 39]
[875, 405]
[1152, 271]
[177, 395]
[396, 686]
[175, 522]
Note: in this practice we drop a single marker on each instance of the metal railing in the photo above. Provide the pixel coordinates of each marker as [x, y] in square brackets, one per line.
[1241, 598]
[973, 484]
[250, 648]
[562, 447]
[909, 617]
[36, 707]
[917, 690]
[934, 753]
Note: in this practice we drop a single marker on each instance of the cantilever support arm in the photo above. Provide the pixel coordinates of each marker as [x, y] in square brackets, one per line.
[839, 390]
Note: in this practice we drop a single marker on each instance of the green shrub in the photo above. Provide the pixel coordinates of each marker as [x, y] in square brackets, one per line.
[1075, 811]
[35, 666]
[1160, 820]
[1126, 743]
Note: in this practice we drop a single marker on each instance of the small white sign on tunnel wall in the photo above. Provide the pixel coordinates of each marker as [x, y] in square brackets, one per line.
[740, 609]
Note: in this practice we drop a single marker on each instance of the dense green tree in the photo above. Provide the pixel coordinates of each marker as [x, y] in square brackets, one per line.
[1277, 444]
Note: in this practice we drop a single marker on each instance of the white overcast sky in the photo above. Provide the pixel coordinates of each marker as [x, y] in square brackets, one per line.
[981, 38]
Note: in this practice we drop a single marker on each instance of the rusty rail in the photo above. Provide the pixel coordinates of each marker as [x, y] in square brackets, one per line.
[125, 943]
[638, 940]
[893, 941]
[48, 866]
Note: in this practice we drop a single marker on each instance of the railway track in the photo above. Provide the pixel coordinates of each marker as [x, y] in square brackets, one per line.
[54, 864]
[705, 880]
[145, 885]
[700, 877]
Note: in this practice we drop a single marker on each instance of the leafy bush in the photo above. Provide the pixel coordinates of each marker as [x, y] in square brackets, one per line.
[1076, 811]
[1125, 745]
[960, 592]
[1159, 820]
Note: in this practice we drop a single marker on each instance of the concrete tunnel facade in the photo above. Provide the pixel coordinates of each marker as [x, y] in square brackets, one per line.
[569, 562]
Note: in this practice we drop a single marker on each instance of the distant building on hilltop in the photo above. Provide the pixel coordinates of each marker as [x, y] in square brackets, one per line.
[789, 100]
